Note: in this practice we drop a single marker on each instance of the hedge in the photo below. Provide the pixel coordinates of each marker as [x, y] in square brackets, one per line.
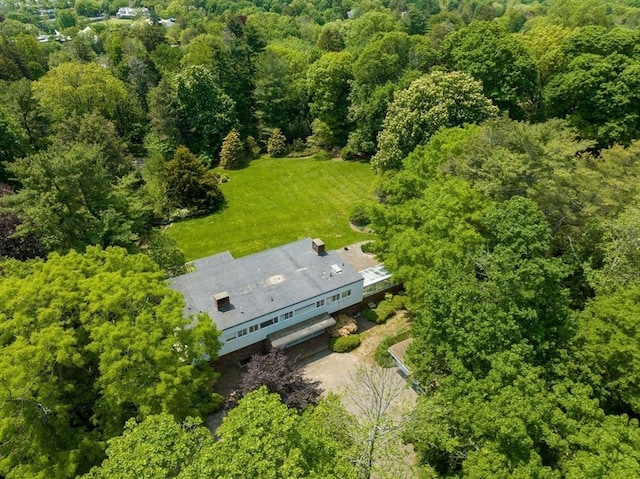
[345, 343]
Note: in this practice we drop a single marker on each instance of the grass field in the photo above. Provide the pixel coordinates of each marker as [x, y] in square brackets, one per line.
[275, 201]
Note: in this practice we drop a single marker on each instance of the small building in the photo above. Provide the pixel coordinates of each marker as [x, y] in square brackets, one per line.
[398, 352]
[274, 298]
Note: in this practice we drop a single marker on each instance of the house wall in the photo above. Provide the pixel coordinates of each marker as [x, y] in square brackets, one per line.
[256, 329]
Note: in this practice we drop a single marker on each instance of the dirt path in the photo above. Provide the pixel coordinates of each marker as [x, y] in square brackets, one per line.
[372, 335]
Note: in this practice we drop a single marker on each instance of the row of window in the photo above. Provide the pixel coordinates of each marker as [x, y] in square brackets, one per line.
[288, 315]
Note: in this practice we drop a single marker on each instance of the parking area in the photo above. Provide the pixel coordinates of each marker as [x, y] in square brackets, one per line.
[331, 369]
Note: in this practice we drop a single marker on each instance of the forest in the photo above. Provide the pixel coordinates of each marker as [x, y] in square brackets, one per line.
[505, 138]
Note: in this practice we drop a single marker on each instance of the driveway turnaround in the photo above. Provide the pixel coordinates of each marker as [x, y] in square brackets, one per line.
[331, 369]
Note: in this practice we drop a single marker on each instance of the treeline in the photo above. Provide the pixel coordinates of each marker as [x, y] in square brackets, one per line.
[368, 80]
[518, 248]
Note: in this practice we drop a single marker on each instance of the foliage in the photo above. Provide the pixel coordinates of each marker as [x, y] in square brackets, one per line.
[499, 61]
[344, 344]
[69, 200]
[82, 88]
[359, 214]
[387, 308]
[597, 89]
[385, 66]
[606, 349]
[13, 143]
[20, 247]
[89, 341]
[232, 153]
[263, 438]
[328, 85]
[157, 447]
[190, 184]
[281, 376]
[93, 129]
[277, 143]
[204, 111]
[431, 102]
[164, 251]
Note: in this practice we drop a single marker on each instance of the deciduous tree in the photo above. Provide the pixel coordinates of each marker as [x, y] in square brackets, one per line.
[281, 376]
[329, 85]
[499, 61]
[431, 102]
[88, 342]
[205, 113]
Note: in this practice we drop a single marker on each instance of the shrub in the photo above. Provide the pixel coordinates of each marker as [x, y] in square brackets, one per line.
[384, 311]
[399, 301]
[359, 215]
[251, 148]
[368, 247]
[344, 344]
[321, 134]
[382, 356]
[348, 154]
[369, 315]
[277, 143]
[233, 151]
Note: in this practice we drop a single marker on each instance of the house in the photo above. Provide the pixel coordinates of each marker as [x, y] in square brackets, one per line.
[129, 12]
[274, 298]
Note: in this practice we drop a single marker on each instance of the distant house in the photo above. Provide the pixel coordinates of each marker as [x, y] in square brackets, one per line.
[167, 22]
[275, 298]
[128, 12]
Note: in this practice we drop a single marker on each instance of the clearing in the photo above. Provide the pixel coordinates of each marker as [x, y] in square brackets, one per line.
[274, 201]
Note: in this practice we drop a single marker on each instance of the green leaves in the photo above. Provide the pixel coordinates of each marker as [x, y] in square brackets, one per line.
[205, 112]
[431, 102]
[69, 200]
[87, 342]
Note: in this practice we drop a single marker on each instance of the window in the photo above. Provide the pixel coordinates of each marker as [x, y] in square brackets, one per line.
[287, 315]
[346, 293]
[253, 328]
[333, 298]
[268, 322]
[242, 332]
[320, 303]
[230, 336]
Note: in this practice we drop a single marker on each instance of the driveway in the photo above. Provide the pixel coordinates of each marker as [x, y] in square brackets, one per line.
[331, 369]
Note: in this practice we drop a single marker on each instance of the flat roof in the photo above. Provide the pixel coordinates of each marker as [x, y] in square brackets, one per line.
[399, 350]
[263, 282]
[301, 330]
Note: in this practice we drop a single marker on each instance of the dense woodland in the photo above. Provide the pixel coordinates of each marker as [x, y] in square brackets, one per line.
[505, 135]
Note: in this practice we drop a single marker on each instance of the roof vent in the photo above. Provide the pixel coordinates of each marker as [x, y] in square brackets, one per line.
[318, 246]
[222, 301]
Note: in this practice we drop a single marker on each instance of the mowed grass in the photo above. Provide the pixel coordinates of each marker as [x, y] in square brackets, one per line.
[275, 201]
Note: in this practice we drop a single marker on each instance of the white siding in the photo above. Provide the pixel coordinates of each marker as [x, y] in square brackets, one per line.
[240, 336]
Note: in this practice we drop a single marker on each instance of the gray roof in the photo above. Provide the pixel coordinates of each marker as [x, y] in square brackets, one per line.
[263, 282]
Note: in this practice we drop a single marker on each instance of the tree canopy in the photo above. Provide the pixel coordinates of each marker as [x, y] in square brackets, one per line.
[431, 102]
[88, 342]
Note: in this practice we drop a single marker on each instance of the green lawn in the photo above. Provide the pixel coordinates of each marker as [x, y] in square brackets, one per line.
[276, 201]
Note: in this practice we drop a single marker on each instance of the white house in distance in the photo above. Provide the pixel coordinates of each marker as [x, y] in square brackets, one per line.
[277, 298]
